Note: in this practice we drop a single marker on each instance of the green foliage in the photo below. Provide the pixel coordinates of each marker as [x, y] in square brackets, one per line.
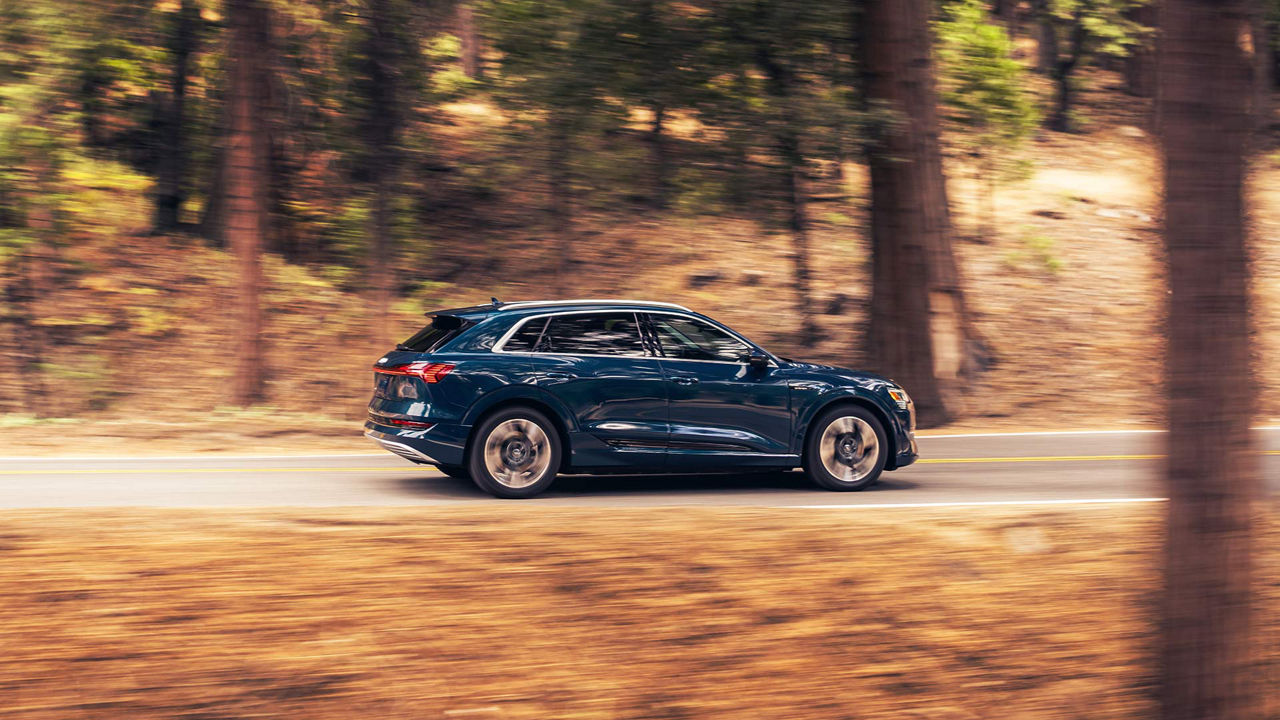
[983, 88]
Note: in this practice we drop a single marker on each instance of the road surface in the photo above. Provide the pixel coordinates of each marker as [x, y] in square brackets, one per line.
[1013, 468]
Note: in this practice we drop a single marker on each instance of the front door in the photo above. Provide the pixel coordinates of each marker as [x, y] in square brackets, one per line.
[721, 410]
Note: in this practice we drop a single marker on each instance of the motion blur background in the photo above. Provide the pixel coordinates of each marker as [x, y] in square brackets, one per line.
[215, 214]
[405, 156]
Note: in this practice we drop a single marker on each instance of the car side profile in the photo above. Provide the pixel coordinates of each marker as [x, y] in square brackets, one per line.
[513, 394]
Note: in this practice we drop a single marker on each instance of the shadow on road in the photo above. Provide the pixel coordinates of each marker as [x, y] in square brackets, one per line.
[606, 485]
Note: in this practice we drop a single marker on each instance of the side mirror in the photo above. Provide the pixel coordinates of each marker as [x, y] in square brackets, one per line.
[758, 360]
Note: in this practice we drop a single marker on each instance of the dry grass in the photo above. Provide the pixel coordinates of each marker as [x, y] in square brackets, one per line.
[529, 613]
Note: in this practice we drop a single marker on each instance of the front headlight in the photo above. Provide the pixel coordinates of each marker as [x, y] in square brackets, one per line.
[900, 397]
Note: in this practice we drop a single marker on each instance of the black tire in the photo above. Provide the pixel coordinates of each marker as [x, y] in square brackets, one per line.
[521, 442]
[848, 450]
[455, 471]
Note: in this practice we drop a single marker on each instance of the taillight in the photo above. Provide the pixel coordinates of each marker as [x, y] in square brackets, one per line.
[384, 420]
[427, 372]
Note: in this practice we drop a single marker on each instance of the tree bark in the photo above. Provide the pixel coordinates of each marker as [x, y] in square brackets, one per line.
[469, 38]
[920, 331]
[1046, 37]
[659, 157]
[1212, 477]
[246, 186]
[1063, 71]
[173, 164]
[560, 208]
[382, 130]
[779, 84]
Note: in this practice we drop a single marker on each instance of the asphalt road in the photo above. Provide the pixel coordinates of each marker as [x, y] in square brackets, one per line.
[1030, 468]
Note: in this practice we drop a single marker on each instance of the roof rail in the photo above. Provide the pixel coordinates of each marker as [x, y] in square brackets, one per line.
[543, 303]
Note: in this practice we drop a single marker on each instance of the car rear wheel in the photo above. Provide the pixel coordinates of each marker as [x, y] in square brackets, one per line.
[515, 454]
[847, 449]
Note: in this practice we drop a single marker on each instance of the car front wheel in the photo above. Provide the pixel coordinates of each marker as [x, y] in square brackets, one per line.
[847, 449]
[515, 454]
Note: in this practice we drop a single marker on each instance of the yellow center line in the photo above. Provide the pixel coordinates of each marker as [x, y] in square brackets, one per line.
[190, 471]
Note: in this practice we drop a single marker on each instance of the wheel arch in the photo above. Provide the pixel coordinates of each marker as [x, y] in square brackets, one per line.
[533, 403]
[886, 423]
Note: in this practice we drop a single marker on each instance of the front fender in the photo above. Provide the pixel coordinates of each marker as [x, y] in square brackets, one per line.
[810, 407]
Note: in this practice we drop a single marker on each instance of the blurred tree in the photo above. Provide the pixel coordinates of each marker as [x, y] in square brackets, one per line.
[1139, 66]
[471, 50]
[662, 67]
[1204, 96]
[983, 90]
[780, 59]
[380, 85]
[554, 70]
[1086, 29]
[250, 58]
[919, 330]
[171, 184]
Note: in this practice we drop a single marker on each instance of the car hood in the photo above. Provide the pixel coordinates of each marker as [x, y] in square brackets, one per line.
[830, 371]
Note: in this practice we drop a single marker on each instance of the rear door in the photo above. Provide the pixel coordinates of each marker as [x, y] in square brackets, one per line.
[598, 365]
[720, 406]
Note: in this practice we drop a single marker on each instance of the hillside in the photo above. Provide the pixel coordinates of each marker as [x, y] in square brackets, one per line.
[1069, 295]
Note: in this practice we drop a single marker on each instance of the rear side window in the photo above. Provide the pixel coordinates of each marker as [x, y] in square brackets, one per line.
[442, 329]
[530, 337]
[612, 333]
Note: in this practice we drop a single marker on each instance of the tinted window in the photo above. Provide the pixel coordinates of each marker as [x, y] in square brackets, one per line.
[442, 329]
[528, 336]
[690, 339]
[598, 334]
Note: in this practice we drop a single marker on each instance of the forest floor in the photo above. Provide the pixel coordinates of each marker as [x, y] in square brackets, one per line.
[654, 613]
[1068, 291]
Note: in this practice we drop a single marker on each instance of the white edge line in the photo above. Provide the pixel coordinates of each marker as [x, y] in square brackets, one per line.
[978, 503]
[921, 436]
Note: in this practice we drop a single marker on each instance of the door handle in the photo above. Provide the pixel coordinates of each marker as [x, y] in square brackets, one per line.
[559, 375]
[684, 380]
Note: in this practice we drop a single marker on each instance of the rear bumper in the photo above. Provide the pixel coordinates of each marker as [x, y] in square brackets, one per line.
[439, 445]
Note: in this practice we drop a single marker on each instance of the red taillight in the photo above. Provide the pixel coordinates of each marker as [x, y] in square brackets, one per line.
[384, 420]
[427, 372]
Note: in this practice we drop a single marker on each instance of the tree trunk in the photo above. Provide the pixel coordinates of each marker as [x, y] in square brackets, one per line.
[560, 194]
[469, 38]
[382, 132]
[798, 224]
[1212, 474]
[780, 80]
[1046, 37]
[246, 185]
[28, 338]
[1139, 67]
[1063, 71]
[659, 157]
[920, 331]
[173, 163]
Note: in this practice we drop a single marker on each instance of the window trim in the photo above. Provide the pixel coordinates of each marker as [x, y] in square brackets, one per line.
[500, 346]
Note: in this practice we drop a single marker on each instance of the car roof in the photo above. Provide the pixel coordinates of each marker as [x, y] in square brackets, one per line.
[526, 307]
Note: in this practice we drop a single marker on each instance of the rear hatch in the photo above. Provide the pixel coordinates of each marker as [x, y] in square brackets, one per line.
[409, 388]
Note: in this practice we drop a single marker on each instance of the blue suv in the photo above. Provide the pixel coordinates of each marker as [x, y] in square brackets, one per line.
[511, 394]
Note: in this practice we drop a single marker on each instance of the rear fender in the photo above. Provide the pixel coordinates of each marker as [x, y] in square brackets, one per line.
[513, 393]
